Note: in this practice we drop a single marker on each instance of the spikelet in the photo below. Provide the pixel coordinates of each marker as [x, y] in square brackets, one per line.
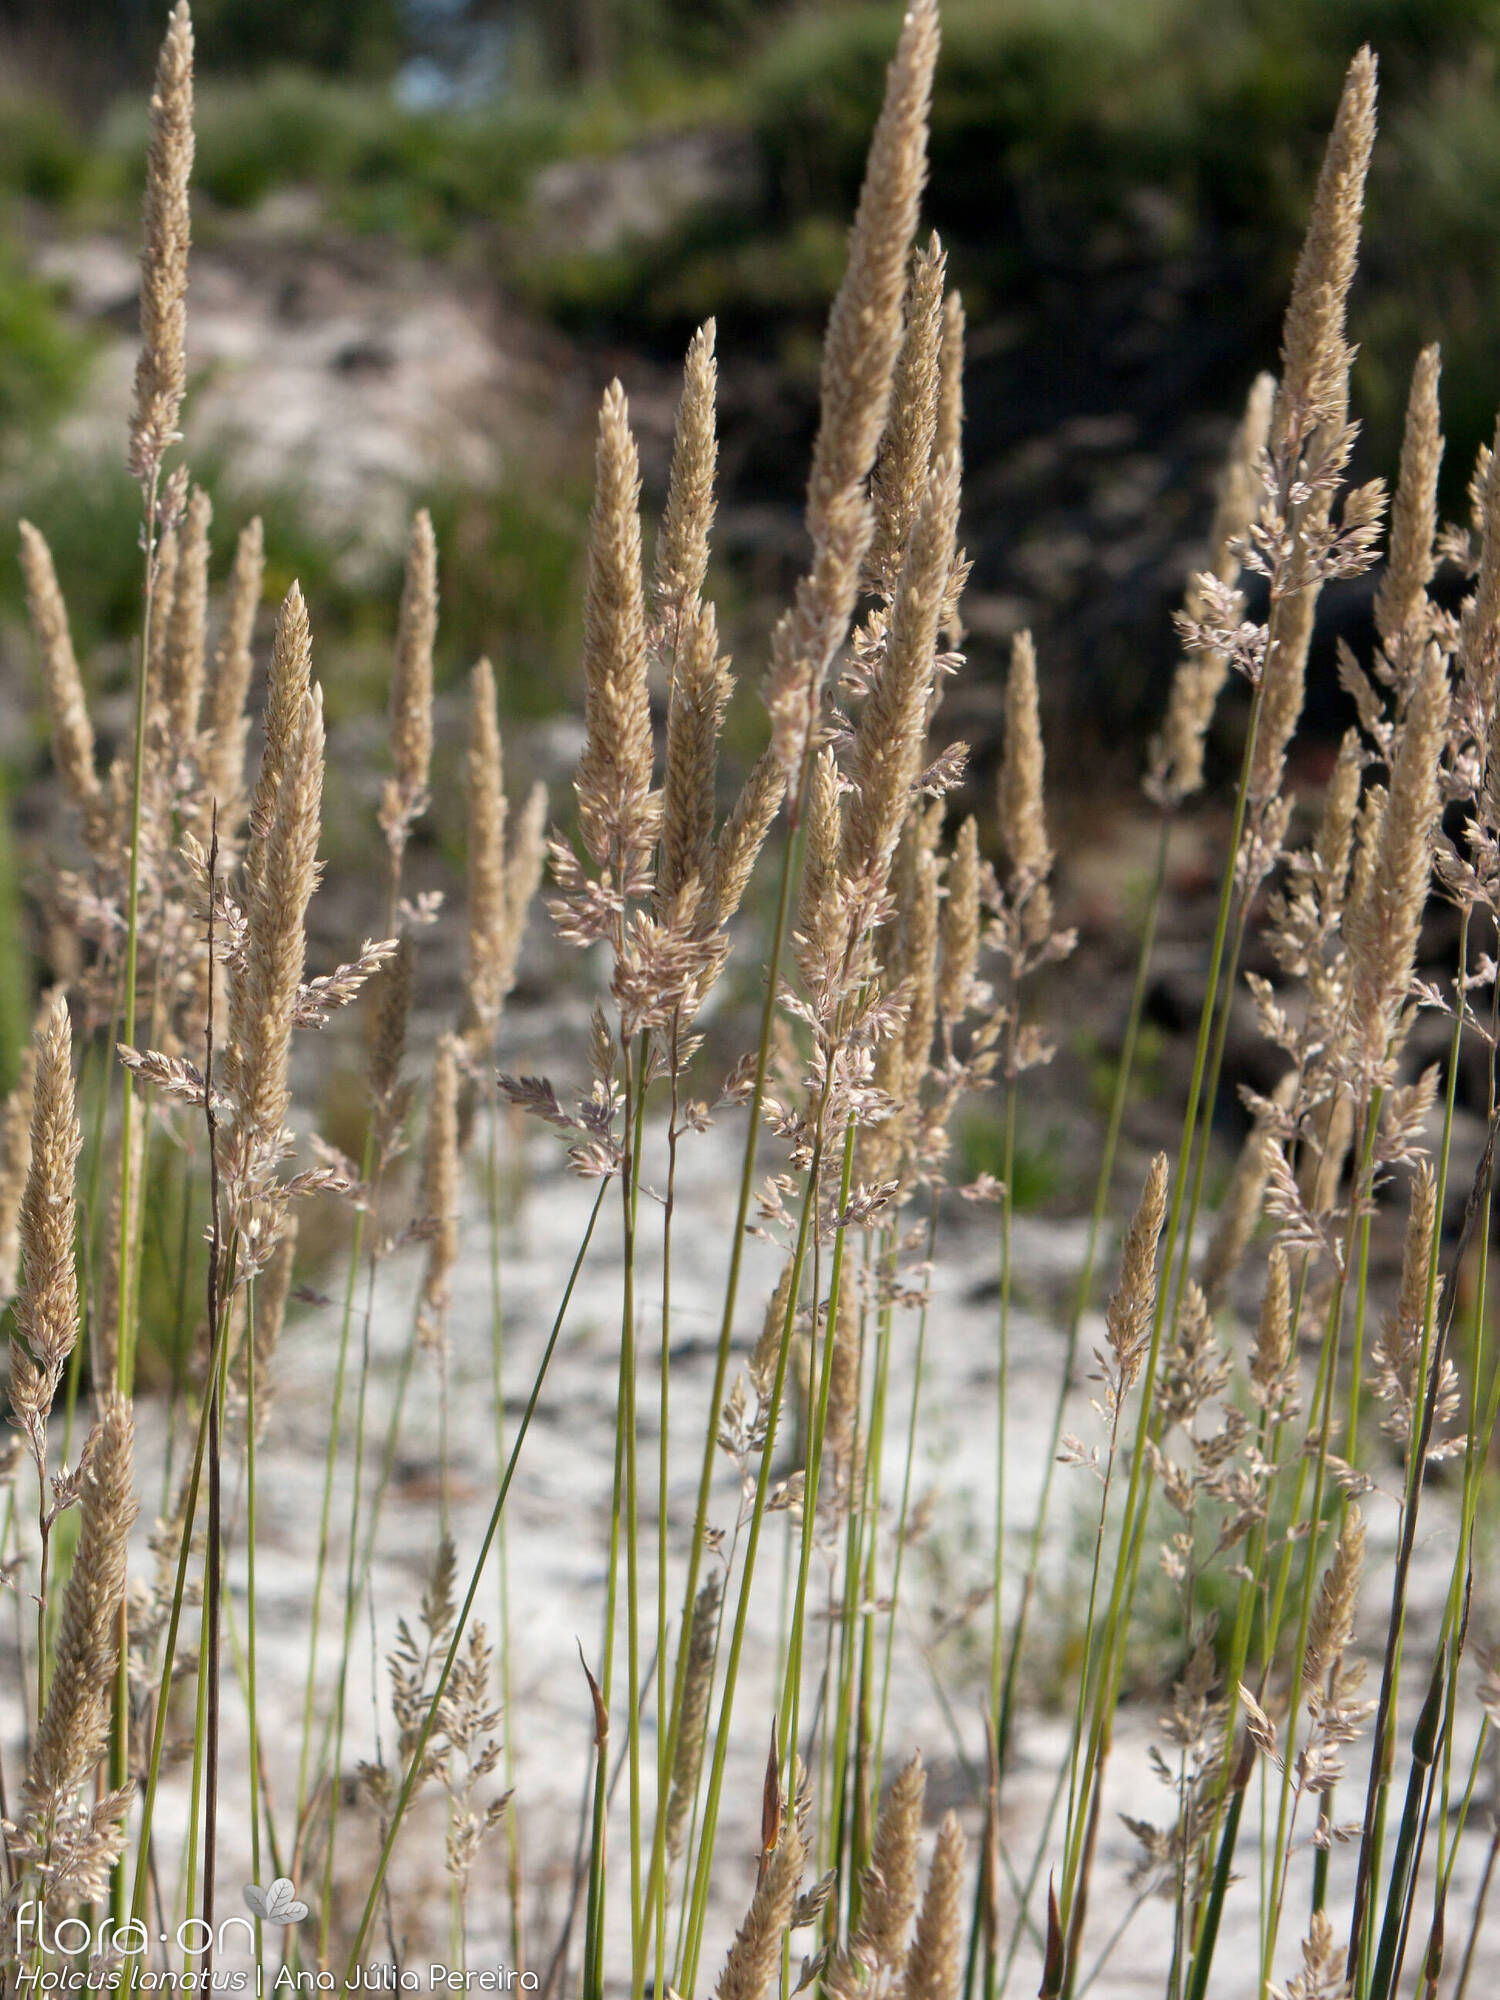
[1383, 929]
[742, 836]
[906, 451]
[185, 630]
[818, 939]
[229, 684]
[72, 732]
[949, 440]
[1402, 615]
[288, 683]
[960, 926]
[755, 1956]
[1133, 1302]
[701, 686]
[46, 1305]
[15, 1159]
[841, 1430]
[1023, 823]
[487, 912]
[934, 1965]
[693, 1727]
[1273, 1334]
[886, 758]
[859, 357]
[1176, 755]
[74, 1731]
[440, 1196]
[1324, 1974]
[615, 807]
[682, 540]
[161, 371]
[888, 1900]
[404, 797]
[1332, 1624]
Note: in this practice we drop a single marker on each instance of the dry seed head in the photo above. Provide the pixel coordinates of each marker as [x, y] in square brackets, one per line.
[843, 1400]
[72, 732]
[1273, 1334]
[186, 627]
[161, 371]
[287, 686]
[1401, 600]
[818, 926]
[1383, 930]
[229, 684]
[701, 686]
[46, 1305]
[1335, 837]
[163, 596]
[614, 772]
[1134, 1301]
[411, 687]
[440, 1195]
[488, 915]
[742, 836]
[1416, 1257]
[960, 925]
[949, 441]
[906, 450]
[920, 925]
[682, 541]
[1314, 353]
[693, 1727]
[886, 758]
[755, 1956]
[74, 1731]
[934, 1966]
[889, 1901]
[1177, 753]
[1479, 623]
[1332, 1623]
[1023, 824]
[15, 1159]
[859, 356]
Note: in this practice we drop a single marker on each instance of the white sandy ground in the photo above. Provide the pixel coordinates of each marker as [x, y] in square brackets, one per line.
[557, 1529]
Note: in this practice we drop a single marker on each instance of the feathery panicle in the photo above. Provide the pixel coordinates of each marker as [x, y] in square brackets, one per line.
[886, 758]
[46, 1305]
[934, 1965]
[1314, 351]
[841, 1430]
[755, 1956]
[15, 1160]
[1479, 623]
[288, 682]
[889, 1883]
[186, 627]
[487, 912]
[1133, 1302]
[440, 1195]
[74, 1730]
[701, 686]
[693, 1729]
[229, 683]
[1023, 824]
[405, 794]
[1401, 611]
[682, 540]
[1398, 1352]
[1382, 932]
[859, 358]
[906, 451]
[1324, 1964]
[263, 1000]
[921, 924]
[743, 834]
[1176, 756]
[1335, 837]
[1269, 1375]
[1332, 1623]
[163, 597]
[819, 927]
[72, 732]
[615, 805]
[960, 926]
[949, 441]
[161, 371]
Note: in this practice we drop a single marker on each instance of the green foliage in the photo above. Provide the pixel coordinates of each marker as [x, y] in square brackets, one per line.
[42, 356]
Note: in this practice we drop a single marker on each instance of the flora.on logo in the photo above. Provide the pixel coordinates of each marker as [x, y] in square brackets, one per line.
[280, 1904]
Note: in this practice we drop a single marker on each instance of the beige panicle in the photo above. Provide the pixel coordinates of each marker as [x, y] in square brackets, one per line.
[1273, 1333]
[934, 1966]
[841, 1430]
[263, 998]
[1479, 622]
[1133, 1302]
[487, 909]
[859, 358]
[74, 1731]
[15, 1160]
[906, 450]
[615, 806]
[46, 1304]
[921, 924]
[949, 442]
[1334, 843]
[681, 561]
[1397, 1356]
[743, 834]
[888, 1900]
[819, 927]
[1383, 930]
[404, 798]
[960, 926]
[161, 371]
[886, 758]
[287, 685]
[1402, 613]
[701, 687]
[1176, 755]
[72, 731]
[186, 629]
[229, 683]
[440, 1196]
[755, 1956]
[163, 597]
[693, 1728]
[1332, 1623]
[1019, 802]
